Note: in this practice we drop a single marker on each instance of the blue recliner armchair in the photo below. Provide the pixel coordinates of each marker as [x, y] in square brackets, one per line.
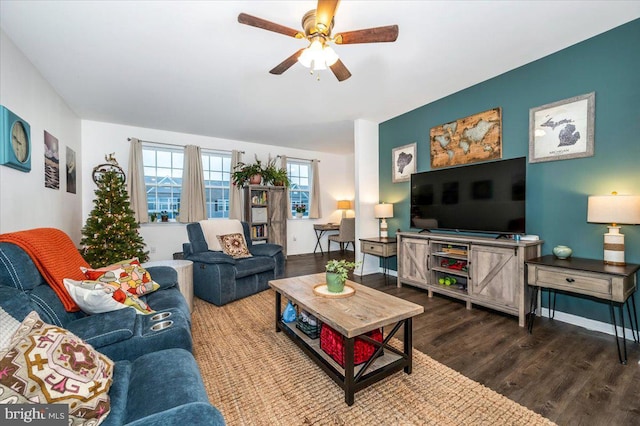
[220, 279]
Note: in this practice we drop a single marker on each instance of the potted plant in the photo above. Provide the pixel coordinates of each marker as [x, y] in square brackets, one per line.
[275, 176]
[300, 210]
[153, 216]
[245, 174]
[164, 216]
[337, 273]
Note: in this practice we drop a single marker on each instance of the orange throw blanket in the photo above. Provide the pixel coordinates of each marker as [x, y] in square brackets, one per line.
[55, 256]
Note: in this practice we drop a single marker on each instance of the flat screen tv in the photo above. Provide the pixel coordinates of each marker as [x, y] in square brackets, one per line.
[486, 198]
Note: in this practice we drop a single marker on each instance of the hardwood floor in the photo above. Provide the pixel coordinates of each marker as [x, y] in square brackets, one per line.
[566, 373]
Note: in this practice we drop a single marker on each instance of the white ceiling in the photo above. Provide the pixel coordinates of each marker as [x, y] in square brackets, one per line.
[190, 67]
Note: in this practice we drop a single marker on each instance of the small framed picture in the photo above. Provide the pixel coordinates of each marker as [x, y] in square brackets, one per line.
[404, 162]
[562, 130]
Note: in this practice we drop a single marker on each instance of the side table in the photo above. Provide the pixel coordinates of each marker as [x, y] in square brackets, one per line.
[587, 277]
[184, 268]
[384, 248]
[320, 229]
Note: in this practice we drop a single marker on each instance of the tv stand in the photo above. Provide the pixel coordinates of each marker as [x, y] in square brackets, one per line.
[484, 271]
[425, 231]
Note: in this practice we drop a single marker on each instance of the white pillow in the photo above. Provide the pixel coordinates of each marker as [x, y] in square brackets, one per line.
[211, 228]
[8, 326]
[95, 297]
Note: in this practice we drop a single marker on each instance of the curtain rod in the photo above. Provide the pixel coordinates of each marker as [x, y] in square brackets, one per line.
[182, 146]
[298, 158]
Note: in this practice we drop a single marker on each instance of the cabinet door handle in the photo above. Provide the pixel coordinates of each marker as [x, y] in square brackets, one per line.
[570, 280]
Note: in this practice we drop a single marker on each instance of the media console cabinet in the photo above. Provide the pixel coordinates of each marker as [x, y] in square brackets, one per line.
[483, 271]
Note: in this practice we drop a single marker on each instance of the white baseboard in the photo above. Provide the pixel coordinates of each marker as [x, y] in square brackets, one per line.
[589, 324]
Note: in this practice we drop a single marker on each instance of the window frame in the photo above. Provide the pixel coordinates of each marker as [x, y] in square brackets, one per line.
[294, 186]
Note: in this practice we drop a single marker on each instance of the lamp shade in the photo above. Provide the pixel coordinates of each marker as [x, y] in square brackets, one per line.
[624, 209]
[383, 211]
[344, 205]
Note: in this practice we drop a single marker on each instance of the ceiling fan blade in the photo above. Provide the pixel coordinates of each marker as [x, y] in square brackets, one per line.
[340, 71]
[369, 35]
[287, 63]
[253, 21]
[325, 12]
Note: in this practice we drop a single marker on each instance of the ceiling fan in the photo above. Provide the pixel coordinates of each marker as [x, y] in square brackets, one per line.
[317, 25]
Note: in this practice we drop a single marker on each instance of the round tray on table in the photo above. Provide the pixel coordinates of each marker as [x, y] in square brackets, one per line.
[323, 291]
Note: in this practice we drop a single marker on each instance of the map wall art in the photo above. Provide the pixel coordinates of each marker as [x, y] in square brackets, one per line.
[404, 163]
[562, 130]
[467, 140]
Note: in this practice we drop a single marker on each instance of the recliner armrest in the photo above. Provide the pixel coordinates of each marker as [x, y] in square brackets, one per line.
[166, 276]
[105, 329]
[265, 249]
[212, 258]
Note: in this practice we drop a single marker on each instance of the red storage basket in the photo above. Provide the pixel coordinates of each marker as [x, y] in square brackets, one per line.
[331, 342]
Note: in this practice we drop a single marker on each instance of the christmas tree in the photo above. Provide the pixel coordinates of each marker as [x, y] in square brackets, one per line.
[111, 232]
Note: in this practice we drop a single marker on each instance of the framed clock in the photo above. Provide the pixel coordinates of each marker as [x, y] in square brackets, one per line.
[15, 141]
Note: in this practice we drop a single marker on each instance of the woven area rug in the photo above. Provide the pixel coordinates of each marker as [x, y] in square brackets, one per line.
[256, 376]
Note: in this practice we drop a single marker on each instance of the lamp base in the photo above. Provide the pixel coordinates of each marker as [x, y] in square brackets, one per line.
[614, 247]
[383, 229]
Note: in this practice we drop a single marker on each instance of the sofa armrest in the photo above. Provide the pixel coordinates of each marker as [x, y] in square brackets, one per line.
[212, 258]
[166, 276]
[105, 329]
[265, 249]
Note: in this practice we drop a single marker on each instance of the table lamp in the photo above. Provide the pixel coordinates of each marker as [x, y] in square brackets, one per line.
[614, 209]
[383, 211]
[344, 205]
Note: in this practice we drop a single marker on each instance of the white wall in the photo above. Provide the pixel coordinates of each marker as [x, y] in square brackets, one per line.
[24, 201]
[366, 181]
[336, 175]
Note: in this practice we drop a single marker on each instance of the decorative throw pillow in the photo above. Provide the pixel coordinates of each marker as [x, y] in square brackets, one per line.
[234, 245]
[129, 275]
[95, 297]
[8, 326]
[50, 365]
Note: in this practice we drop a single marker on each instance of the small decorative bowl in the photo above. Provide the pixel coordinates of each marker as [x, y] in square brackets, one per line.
[562, 252]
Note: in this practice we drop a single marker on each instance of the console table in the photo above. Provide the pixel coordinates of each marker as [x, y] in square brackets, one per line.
[586, 277]
[320, 229]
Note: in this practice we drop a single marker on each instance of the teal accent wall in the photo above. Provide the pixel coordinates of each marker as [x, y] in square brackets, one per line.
[609, 65]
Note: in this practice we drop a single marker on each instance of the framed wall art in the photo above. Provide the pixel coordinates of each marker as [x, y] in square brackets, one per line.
[467, 140]
[404, 162]
[51, 161]
[562, 130]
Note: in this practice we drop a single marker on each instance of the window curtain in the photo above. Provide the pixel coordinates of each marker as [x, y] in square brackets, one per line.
[314, 205]
[235, 192]
[283, 165]
[135, 183]
[193, 204]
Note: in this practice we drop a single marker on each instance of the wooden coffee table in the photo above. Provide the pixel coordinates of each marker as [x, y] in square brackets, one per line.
[366, 310]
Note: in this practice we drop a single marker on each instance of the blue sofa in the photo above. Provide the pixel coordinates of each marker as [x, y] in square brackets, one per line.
[220, 279]
[156, 380]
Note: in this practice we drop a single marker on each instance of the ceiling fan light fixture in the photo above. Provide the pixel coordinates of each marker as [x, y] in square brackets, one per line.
[330, 56]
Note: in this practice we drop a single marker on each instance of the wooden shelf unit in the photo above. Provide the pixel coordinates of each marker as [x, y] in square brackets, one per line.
[265, 210]
[488, 272]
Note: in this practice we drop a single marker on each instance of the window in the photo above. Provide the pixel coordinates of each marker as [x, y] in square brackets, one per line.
[163, 179]
[300, 178]
[217, 176]
[163, 168]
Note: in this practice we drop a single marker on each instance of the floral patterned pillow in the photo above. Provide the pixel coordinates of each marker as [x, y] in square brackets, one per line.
[95, 297]
[234, 245]
[129, 275]
[46, 364]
